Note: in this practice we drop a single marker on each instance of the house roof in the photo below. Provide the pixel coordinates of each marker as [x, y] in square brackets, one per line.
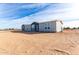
[46, 21]
[53, 21]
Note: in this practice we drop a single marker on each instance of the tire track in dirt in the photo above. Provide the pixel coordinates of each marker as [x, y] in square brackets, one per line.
[3, 51]
[62, 51]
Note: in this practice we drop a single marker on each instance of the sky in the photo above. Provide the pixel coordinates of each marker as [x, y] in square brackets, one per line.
[13, 15]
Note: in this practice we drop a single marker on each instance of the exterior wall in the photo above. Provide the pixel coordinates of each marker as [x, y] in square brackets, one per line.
[51, 26]
[59, 27]
[23, 28]
[43, 27]
[27, 28]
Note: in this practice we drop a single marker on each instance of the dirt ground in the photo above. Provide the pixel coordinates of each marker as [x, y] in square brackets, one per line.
[20, 43]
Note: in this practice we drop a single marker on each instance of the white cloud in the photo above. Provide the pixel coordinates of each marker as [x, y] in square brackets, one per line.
[45, 15]
[71, 24]
[65, 13]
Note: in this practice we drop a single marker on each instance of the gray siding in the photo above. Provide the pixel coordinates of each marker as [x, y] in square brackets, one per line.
[47, 27]
[27, 28]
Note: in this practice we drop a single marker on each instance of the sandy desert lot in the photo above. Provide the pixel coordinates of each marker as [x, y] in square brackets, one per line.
[16, 42]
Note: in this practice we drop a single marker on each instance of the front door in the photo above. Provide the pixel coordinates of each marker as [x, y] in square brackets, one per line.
[35, 27]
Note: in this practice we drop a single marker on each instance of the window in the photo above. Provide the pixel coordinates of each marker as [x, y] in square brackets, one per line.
[45, 27]
[48, 27]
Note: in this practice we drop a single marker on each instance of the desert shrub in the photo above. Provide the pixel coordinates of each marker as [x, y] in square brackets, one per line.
[78, 28]
[74, 28]
[11, 29]
[67, 28]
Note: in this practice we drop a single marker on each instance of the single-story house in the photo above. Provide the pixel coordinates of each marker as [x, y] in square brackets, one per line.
[48, 26]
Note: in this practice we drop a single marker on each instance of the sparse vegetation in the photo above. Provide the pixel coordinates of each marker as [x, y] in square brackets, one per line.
[74, 28]
[71, 28]
[67, 28]
[78, 27]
